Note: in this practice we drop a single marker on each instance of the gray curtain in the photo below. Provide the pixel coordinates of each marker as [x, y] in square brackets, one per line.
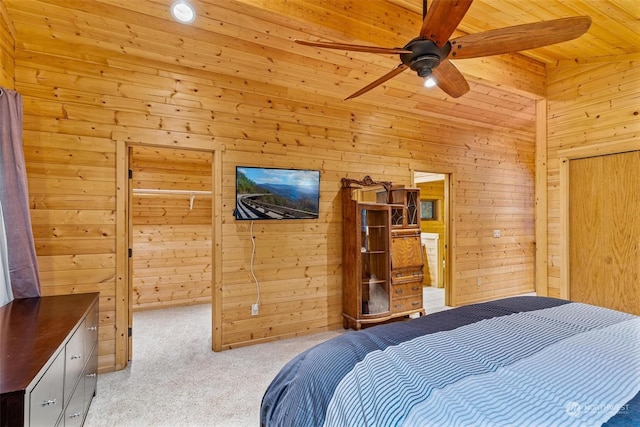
[14, 195]
[6, 293]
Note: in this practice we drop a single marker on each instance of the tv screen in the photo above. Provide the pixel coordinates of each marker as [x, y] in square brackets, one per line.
[272, 193]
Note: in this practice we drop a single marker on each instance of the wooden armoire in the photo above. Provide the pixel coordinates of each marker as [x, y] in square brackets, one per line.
[382, 252]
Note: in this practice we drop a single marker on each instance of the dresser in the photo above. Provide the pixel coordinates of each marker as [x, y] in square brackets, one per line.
[48, 360]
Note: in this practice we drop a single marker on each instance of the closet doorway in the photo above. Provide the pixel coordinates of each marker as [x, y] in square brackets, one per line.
[170, 229]
[435, 229]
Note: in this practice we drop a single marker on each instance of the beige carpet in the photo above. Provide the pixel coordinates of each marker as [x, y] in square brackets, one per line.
[176, 380]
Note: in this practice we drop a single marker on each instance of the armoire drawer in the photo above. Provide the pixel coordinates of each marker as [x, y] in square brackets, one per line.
[398, 305]
[406, 290]
[405, 276]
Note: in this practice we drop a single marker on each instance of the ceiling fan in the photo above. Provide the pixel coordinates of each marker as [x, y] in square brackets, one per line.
[429, 53]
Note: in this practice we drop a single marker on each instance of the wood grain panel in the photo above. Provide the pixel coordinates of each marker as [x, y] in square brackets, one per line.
[587, 227]
[405, 251]
[605, 231]
[624, 231]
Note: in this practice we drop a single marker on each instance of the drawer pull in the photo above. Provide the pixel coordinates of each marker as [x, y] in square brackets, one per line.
[415, 288]
[76, 356]
[415, 303]
[92, 328]
[399, 306]
[76, 415]
[91, 375]
[399, 291]
[49, 402]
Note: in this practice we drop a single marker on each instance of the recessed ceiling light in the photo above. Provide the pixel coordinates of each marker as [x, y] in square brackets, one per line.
[183, 12]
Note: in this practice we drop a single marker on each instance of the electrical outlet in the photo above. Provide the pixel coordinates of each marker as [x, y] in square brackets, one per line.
[254, 309]
[479, 281]
[496, 233]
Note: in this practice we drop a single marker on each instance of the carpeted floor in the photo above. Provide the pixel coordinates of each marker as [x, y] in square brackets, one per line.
[176, 380]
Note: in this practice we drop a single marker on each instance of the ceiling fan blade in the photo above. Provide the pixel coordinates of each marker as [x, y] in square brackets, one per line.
[353, 47]
[400, 68]
[450, 79]
[519, 37]
[442, 19]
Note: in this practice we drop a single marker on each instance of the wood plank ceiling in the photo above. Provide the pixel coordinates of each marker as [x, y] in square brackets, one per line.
[250, 43]
[614, 31]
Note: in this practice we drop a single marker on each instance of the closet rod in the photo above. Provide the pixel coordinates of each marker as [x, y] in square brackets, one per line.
[157, 191]
[190, 193]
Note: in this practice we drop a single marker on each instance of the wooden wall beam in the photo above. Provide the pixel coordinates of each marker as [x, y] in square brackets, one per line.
[7, 49]
[122, 260]
[542, 252]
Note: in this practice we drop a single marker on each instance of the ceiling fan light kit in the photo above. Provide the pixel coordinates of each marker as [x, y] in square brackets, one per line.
[425, 55]
[432, 48]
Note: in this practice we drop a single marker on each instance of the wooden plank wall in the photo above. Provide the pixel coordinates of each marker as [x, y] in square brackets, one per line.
[72, 191]
[82, 97]
[171, 237]
[7, 49]
[591, 105]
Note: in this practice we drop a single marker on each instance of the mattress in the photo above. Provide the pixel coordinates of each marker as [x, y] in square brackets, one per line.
[522, 361]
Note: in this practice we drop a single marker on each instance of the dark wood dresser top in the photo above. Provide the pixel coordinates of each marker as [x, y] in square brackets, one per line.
[32, 330]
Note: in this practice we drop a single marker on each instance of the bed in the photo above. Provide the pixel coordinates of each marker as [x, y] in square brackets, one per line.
[521, 361]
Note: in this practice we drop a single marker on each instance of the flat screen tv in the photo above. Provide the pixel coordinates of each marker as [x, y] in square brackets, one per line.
[273, 193]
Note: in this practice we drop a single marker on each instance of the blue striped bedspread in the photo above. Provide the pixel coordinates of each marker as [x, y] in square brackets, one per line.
[523, 361]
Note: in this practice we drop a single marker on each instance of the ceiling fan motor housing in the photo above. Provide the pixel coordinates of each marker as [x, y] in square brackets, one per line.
[425, 55]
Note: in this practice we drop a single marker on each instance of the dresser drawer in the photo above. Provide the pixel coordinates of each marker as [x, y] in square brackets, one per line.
[45, 400]
[90, 378]
[74, 412]
[91, 330]
[74, 360]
